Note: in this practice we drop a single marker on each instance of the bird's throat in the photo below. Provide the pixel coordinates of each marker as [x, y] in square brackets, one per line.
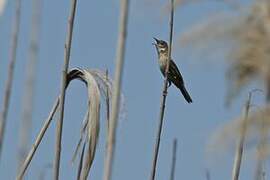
[162, 60]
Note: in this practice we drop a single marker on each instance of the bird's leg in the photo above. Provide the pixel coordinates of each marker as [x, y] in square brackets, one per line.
[169, 84]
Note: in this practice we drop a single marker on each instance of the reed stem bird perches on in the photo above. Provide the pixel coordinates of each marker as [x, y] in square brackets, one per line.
[178, 81]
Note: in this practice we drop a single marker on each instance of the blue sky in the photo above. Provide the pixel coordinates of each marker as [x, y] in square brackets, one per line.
[94, 45]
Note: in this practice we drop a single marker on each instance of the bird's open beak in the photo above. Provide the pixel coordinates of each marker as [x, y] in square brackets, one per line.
[155, 43]
[156, 39]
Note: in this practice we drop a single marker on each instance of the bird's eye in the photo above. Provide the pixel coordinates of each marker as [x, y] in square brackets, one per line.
[162, 43]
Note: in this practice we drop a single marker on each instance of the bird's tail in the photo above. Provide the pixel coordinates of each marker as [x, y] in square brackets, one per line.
[185, 94]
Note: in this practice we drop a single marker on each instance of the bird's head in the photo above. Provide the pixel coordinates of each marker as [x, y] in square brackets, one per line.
[161, 46]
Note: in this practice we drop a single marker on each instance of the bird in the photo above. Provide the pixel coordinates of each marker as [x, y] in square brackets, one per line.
[174, 75]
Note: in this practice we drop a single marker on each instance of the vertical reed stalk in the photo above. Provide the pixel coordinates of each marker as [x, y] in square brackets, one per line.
[27, 103]
[116, 92]
[63, 89]
[174, 154]
[11, 66]
[163, 100]
[240, 145]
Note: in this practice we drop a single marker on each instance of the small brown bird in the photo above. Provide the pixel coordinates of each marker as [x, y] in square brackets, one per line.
[174, 75]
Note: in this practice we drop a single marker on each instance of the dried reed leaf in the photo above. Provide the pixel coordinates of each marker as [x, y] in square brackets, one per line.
[93, 105]
[95, 83]
[98, 85]
[81, 163]
[82, 136]
[93, 121]
[93, 114]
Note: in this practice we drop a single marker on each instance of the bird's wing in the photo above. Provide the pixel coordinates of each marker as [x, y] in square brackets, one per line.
[175, 73]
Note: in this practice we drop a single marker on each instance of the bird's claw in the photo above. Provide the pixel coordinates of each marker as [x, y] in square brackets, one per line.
[169, 84]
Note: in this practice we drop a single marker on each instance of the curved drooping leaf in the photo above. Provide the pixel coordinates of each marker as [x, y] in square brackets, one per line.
[98, 85]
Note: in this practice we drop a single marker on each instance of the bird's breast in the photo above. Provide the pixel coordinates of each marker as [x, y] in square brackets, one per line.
[162, 63]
